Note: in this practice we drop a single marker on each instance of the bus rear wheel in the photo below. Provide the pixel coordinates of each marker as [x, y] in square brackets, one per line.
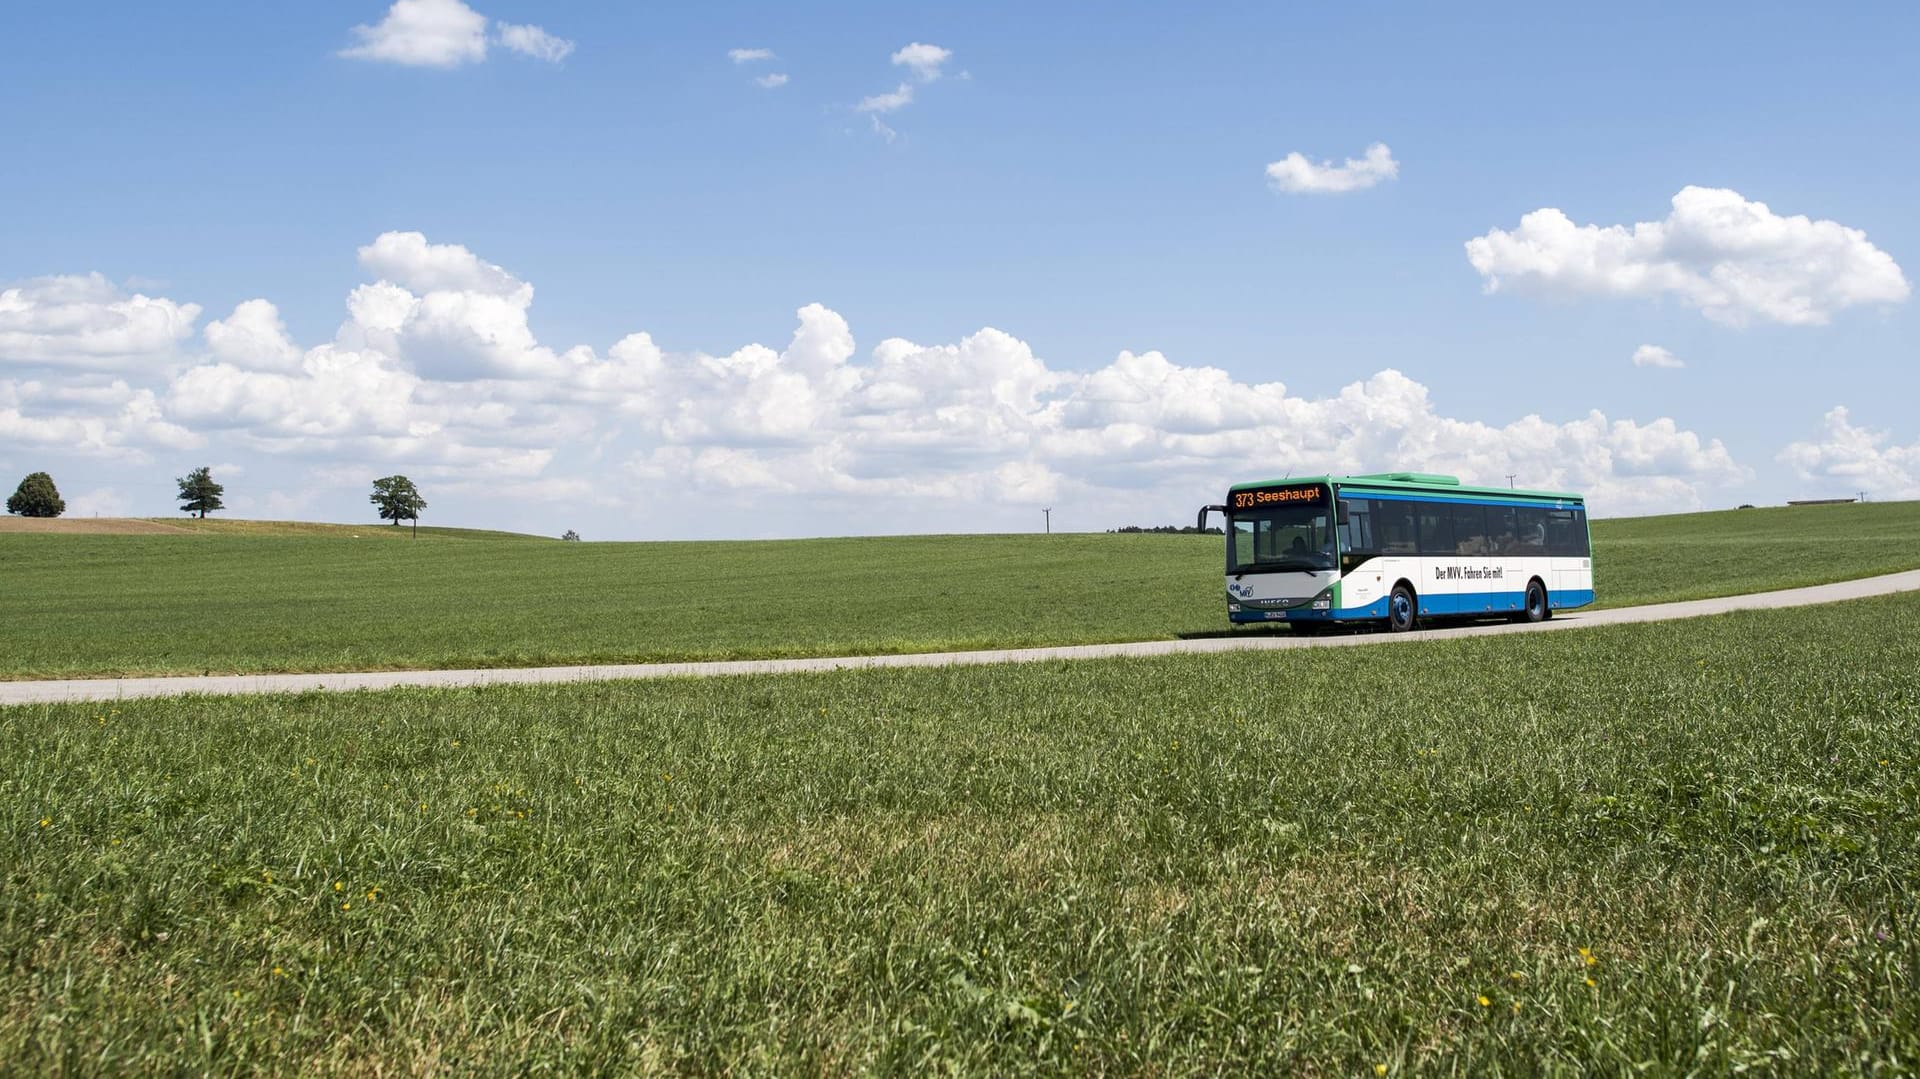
[1537, 609]
[1403, 609]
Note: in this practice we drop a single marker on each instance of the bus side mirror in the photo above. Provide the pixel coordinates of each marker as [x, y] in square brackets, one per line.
[1200, 524]
[1340, 514]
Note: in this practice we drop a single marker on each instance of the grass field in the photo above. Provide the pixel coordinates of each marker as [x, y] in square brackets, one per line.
[1689, 846]
[245, 597]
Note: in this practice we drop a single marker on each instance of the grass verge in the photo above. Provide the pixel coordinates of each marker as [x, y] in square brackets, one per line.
[234, 601]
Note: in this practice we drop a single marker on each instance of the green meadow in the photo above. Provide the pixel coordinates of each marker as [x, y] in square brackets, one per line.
[1687, 848]
[236, 596]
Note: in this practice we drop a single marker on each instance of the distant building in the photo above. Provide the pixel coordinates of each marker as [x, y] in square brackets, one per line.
[1820, 501]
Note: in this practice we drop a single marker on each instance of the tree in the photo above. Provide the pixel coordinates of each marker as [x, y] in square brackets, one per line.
[37, 497]
[571, 536]
[398, 499]
[198, 492]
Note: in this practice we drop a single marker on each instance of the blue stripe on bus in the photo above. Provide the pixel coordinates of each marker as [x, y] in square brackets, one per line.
[1467, 603]
[1465, 500]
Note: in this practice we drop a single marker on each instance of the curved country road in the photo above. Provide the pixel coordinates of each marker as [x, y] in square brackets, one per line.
[110, 689]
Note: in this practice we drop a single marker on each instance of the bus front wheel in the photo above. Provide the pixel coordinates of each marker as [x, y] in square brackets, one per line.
[1537, 608]
[1403, 609]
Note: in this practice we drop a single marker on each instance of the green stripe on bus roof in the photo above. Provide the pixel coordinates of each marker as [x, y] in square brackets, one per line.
[1401, 485]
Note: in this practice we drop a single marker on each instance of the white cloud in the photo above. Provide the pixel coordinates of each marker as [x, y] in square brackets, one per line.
[1844, 459]
[408, 259]
[1734, 259]
[986, 420]
[113, 422]
[1295, 174]
[535, 42]
[749, 56]
[437, 372]
[253, 337]
[87, 322]
[892, 101]
[924, 60]
[769, 82]
[446, 34]
[1655, 356]
[424, 33]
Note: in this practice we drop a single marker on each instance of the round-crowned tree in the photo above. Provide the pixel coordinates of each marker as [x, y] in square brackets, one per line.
[398, 499]
[36, 497]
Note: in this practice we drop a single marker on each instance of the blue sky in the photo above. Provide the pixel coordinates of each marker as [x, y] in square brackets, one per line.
[1086, 181]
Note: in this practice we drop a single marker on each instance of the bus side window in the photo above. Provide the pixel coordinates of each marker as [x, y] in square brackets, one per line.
[1500, 529]
[1436, 528]
[1356, 534]
[1532, 540]
[1469, 530]
[1566, 534]
[1393, 527]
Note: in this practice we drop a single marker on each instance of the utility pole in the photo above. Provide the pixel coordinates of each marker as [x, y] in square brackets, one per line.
[1510, 476]
[1049, 512]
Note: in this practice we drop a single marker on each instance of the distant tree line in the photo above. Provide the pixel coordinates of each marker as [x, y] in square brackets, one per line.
[1173, 530]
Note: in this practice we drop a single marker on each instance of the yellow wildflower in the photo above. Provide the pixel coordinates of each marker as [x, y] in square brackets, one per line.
[1484, 1002]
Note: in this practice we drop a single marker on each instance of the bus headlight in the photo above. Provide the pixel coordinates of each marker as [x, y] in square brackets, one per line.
[1321, 603]
[1233, 608]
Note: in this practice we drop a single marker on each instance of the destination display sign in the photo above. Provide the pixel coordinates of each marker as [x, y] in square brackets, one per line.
[1299, 494]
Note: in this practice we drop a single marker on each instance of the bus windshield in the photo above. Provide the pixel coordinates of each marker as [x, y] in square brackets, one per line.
[1280, 538]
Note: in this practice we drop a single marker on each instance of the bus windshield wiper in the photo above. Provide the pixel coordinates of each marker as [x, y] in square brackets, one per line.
[1278, 565]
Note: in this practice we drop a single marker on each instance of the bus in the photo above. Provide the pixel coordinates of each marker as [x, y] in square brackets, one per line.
[1400, 547]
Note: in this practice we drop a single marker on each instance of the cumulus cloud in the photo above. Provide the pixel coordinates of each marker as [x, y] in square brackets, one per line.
[435, 370]
[749, 56]
[1843, 459]
[987, 420]
[1734, 259]
[423, 33]
[772, 81]
[253, 337]
[1295, 174]
[1655, 356]
[924, 61]
[87, 322]
[114, 422]
[407, 258]
[446, 34]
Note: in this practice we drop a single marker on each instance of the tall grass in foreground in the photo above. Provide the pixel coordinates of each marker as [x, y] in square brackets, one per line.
[1690, 847]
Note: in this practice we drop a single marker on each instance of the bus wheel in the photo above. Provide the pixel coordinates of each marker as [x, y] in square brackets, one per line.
[1402, 609]
[1537, 609]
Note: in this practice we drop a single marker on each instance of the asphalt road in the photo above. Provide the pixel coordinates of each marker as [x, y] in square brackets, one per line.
[111, 689]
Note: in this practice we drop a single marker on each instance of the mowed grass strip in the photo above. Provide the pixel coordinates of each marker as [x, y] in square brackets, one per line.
[1687, 847]
[242, 599]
